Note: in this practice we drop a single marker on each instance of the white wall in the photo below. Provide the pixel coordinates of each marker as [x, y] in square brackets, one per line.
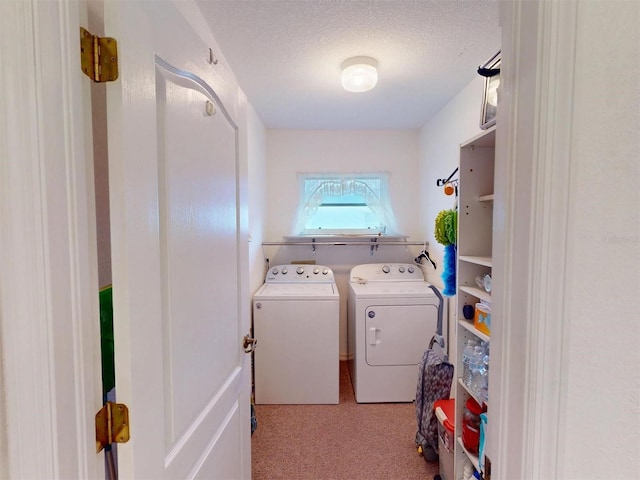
[439, 156]
[601, 437]
[440, 139]
[292, 151]
[257, 186]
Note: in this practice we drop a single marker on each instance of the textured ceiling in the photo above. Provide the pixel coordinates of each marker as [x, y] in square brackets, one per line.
[286, 55]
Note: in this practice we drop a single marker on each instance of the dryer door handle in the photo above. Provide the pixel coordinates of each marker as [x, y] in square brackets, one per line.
[373, 336]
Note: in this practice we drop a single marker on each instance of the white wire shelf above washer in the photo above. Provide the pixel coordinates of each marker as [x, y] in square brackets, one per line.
[373, 242]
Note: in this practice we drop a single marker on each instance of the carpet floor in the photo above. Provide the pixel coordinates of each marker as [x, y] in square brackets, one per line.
[349, 441]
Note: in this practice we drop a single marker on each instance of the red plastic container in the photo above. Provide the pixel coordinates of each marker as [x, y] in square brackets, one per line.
[446, 422]
[471, 426]
[445, 411]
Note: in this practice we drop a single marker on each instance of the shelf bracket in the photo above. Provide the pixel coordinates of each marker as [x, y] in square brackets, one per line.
[374, 246]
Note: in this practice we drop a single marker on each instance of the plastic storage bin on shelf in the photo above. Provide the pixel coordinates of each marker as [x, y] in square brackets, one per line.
[445, 411]
[482, 318]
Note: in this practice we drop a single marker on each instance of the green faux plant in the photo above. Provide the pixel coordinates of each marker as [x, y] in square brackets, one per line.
[446, 226]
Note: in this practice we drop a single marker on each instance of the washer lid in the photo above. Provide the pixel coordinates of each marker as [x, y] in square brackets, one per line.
[392, 289]
[297, 291]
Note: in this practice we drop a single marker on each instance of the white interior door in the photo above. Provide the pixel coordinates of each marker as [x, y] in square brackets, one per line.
[174, 194]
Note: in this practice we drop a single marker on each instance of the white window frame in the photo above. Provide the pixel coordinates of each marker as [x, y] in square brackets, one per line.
[378, 202]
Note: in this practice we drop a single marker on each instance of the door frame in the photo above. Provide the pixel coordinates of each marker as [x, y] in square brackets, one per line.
[48, 249]
[48, 276]
[532, 208]
[50, 378]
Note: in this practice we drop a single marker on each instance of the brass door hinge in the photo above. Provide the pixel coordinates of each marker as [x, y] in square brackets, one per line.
[98, 57]
[112, 425]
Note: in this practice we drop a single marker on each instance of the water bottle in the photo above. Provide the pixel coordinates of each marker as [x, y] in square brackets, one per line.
[475, 366]
[466, 359]
[484, 386]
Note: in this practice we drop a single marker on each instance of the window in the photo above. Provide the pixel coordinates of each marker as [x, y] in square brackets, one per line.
[343, 204]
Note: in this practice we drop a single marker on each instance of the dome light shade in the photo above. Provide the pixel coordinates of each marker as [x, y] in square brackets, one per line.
[359, 74]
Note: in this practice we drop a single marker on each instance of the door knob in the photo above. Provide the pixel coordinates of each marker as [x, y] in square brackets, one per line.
[249, 344]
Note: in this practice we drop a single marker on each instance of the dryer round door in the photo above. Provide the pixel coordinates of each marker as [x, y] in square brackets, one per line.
[398, 334]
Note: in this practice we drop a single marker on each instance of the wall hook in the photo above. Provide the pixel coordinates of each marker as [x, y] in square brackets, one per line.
[441, 182]
[210, 108]
[212, 61]
[450, 186]
[424, 254]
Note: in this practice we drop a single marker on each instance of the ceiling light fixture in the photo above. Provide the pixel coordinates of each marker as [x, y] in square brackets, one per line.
[359, 74]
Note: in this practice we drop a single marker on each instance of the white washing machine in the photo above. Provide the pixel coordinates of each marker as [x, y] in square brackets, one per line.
[296, 317]
[392, 316]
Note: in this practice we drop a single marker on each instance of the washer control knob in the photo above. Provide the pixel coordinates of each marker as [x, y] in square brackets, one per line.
[285, 271]
[411, 269]
[386, 269]
[299, 270]
[401, 269]
[275, 271]
[371, 314]
[316, 271]
[325, 271]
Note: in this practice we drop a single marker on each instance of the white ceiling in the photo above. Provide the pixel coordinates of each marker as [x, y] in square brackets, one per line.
[286, 55]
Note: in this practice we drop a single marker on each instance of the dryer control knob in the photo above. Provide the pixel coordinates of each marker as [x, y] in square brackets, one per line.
[371, 314]
[299, 270]
[386, 269]
[285, 271]
[325, 271]
[316, 271]
[401, 269]
[275, 271]
[411, 269]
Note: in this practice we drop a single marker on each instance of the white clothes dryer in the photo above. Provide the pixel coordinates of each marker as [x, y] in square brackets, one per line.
[296, 325]
[392, 316]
